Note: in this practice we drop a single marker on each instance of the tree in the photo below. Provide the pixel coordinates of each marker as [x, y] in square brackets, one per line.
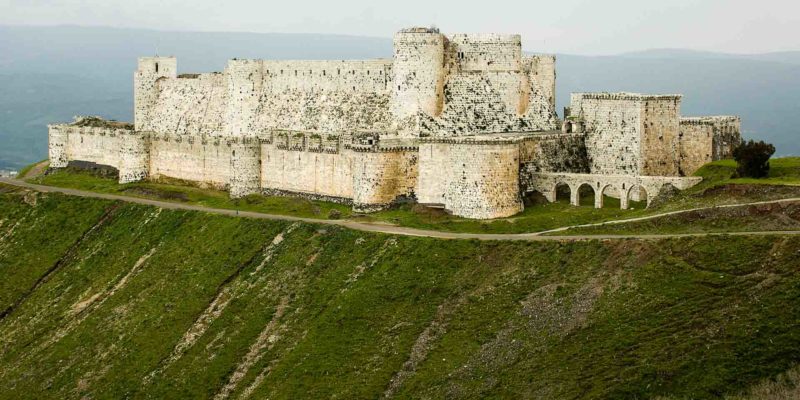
[753, 158]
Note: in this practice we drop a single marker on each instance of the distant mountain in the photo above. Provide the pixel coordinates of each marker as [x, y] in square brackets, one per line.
[49, 74]
[788, 57]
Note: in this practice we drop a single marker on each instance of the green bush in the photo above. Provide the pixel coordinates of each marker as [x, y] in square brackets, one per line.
[753, 158]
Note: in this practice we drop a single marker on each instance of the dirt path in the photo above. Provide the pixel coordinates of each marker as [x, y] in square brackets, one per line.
[399, 230]
[36, 170]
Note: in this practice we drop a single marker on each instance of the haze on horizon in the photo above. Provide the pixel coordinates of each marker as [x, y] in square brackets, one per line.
[568, 26]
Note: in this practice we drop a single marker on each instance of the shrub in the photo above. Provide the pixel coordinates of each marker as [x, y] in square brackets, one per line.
[753, 158]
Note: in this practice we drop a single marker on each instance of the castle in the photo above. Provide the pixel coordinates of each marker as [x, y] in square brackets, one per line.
[464, 122]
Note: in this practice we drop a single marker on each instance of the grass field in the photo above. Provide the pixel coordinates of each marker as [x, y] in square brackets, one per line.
[115, 300]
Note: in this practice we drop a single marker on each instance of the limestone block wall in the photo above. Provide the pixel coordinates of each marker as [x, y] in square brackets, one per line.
[134, 156]
[93, 144]
[553, 152]
[486, 52]
[319, 170]
[188, 105]
[322, 96]
[614, 125]
[381, 177]
[660, 137]
[206, 160]
[102, 142]
[725, 133]
[629, 133]
[57, 146]
[244, 86]
[696, 144]
[418, 73]
[472, 179]
[432, 180]
[145, 92]
[541, 71]
[489, 103]
[245, 166]
[483, 180]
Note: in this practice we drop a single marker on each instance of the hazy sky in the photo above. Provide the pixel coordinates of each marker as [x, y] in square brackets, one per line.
[565, 26]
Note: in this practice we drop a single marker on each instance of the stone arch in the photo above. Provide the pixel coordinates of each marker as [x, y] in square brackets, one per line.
[567, 128]
[638, 193]
[580, 193]
[561, 191]
[607, 190]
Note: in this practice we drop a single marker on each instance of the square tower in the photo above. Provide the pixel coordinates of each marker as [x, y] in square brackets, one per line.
[145, 91]
[630, 133]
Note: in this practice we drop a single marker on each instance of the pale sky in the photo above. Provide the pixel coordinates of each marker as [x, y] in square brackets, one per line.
[563, 26]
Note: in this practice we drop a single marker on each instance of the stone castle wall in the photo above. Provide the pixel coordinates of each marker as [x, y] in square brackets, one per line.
[613, 131]
[660, 136]
[726, 133]
[206, 160]
[433, 86]
[472, 178]
[380, 178]
[695, 146]
[294, 162]
[461, 122]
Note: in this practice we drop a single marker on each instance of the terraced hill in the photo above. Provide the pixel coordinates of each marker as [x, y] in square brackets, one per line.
[101, 299]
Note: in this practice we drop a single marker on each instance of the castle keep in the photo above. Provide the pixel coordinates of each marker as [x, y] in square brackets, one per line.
[465, 122]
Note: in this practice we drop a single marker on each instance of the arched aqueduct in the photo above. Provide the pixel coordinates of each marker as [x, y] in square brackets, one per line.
[621, 186]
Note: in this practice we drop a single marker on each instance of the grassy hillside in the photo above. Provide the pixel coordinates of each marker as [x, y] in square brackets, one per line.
[111, 300]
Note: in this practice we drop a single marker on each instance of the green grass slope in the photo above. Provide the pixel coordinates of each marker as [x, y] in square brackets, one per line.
[112, 300]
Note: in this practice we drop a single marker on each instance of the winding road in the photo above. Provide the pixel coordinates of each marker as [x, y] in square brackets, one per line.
[399, 230]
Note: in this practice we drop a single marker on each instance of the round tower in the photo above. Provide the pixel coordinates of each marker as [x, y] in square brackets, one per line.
[483, 180]
[418, 69]
[57, 146]
[134, 156]
[245, 166]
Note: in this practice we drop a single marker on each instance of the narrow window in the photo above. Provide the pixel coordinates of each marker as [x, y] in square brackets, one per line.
[156, 67]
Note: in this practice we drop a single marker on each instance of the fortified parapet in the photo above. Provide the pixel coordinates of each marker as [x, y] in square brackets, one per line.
[487, 52]
[57, 146]
[418, 70]
[245, 166]
[134, 156]
[245, 83]
[145, 92]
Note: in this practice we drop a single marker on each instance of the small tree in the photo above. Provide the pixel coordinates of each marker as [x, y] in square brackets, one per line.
[753, 158]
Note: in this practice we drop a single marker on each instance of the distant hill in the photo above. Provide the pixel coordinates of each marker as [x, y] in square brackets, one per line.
[49, 74]
[788, 57]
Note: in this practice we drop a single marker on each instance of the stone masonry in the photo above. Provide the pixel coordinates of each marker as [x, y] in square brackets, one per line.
[464, 122]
